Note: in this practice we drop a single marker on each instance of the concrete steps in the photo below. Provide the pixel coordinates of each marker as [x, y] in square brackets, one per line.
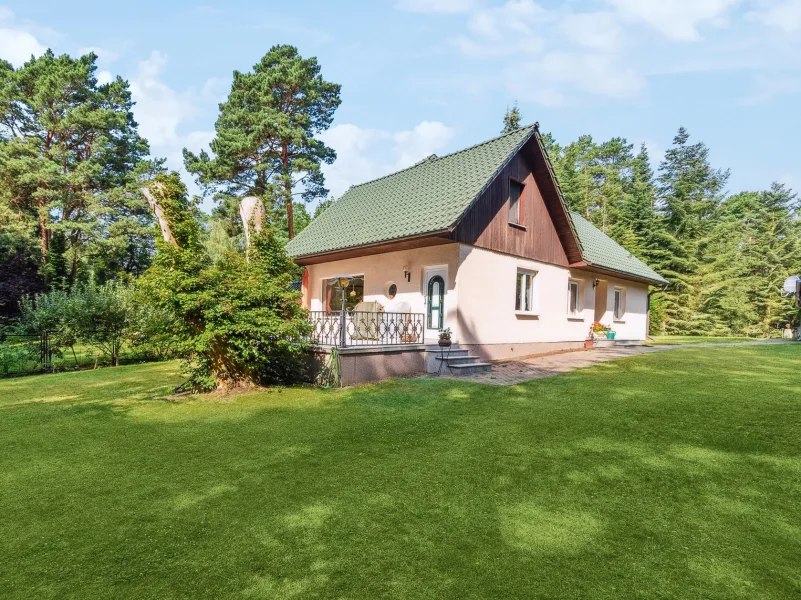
[455, 361]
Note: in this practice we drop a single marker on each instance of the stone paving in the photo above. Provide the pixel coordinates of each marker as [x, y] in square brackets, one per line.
[520, 371]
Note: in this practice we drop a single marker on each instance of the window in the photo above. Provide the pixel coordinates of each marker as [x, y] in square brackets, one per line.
[515, 202]
[332, 293]
[526, 300]
[573, 303]
[620, 303]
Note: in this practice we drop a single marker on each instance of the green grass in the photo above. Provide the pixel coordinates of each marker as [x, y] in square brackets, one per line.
[670, 475]
[672, 340]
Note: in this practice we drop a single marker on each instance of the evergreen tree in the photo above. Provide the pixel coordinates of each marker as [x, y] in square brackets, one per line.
[236, 321]
[753, 248]
[511, 120]
[69, 149]
[689, 188]
[266, 144]
[689, 194]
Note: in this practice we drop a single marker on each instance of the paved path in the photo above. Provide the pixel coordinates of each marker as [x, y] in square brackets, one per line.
[519, 371]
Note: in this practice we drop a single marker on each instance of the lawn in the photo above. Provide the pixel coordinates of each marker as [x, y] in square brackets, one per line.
[670, 475]
[673, 340]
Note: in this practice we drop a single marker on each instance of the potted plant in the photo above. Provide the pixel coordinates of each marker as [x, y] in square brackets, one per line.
[445, 337]
[598, 330]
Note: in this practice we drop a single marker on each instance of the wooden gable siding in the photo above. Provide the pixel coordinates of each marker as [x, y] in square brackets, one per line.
[486, 223]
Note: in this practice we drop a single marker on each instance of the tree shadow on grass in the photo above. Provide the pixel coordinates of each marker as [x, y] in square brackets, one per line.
[632, 479]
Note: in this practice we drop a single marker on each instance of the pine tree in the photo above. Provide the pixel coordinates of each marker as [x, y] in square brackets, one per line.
[689, 188]
[266, 144]
[689, 193]
[754, 246]
[511, 120]
[69, 152]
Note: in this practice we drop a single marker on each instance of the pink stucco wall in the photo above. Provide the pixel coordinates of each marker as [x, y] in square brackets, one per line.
[480, 300]
[486, 285]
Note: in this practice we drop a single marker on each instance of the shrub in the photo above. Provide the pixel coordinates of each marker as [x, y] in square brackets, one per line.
[235, 319]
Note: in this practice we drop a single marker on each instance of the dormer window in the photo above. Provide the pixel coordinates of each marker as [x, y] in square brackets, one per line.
[515, 202]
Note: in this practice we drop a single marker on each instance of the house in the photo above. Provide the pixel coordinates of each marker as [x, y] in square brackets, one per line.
[479, 241]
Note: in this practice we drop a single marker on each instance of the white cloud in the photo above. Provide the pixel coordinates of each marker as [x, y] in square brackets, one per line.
[17, 43]
[784, 15]
[435, 6]
[600, 30]
[557, 76]
[104, 56]
[364, 154]
[17, 46]
[159, 109]
[678, 20]
[104, 77]
[768, 87]
[164, 114]
[423, 140]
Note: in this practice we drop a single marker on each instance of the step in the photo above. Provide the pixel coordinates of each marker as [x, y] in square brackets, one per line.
[629, 343]
[460, 360]
[453, 354]
[470, 369]
[438, 348]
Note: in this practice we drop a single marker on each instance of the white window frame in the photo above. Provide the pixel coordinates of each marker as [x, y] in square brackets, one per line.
[530, 284]
[619, 308]
[571, 283]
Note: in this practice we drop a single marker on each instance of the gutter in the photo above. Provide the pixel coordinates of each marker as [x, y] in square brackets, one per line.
[436, 233]
[587, 264]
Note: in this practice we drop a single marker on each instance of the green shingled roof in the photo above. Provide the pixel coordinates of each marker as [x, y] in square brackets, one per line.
[600, 250]
[430, 197]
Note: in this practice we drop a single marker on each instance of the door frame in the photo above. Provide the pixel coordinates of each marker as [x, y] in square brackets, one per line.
[428, 272]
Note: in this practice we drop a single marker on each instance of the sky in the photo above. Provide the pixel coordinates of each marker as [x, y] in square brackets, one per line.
[433, 76]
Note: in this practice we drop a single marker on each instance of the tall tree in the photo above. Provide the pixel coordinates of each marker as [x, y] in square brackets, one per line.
[689, 193]
[689, 188]
[754, 246]
[235, 321]
[511, 120]
[69, 147]
[266, 142]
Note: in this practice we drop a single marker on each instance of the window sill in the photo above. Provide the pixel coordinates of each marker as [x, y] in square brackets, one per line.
[619, 321]
[518, 226]
[575, 318]
[530, 315]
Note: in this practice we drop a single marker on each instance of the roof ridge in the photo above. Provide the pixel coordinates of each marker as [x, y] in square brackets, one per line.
[434, 158]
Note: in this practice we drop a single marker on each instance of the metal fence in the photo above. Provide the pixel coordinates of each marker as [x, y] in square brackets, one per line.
[25, 353]
[52, 351]
[357, 328]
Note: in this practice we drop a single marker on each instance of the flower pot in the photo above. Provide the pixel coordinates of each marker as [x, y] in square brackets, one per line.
[444, 343]
[588, 343]
[610, 335]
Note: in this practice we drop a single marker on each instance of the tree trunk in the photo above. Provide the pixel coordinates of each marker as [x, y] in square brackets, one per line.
[166, 232]
[43, 232]
[74, 268]
[290, 215]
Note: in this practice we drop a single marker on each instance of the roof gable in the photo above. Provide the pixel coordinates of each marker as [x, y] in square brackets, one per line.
[426, 198]
[432, 196]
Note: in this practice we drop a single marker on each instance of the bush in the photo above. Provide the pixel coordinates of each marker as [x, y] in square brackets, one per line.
[107, 317]
[235, 319]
